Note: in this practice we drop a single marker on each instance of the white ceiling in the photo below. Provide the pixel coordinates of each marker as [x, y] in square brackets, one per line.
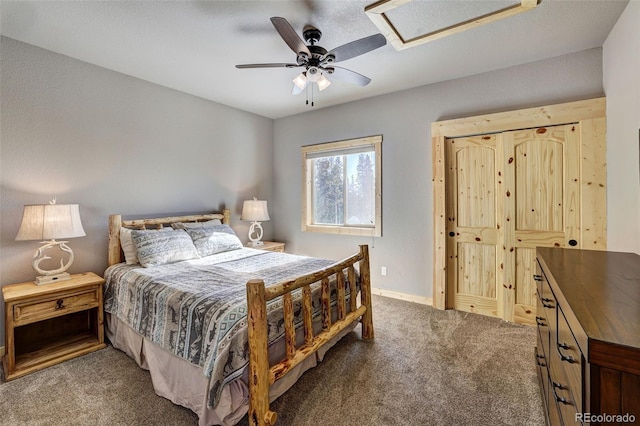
[193, 46]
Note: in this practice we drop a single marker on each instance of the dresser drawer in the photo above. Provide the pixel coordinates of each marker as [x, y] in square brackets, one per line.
[561, 394]
[543, 328]
[542, 366]
[570, 358]
[546, 300]
[53, 306]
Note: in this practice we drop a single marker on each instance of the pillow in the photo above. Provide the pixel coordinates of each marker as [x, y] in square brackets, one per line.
[214, 239]
[129, 248]
[185, 225]
[159, 248]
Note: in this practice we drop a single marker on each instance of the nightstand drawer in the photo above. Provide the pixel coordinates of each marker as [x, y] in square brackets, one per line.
[53, 306]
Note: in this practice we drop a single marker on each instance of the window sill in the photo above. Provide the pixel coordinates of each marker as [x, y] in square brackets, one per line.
[343, 230]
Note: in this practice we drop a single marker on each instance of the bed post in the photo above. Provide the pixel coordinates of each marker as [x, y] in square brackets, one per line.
[365, 286]
[259, 413]
[115, 222]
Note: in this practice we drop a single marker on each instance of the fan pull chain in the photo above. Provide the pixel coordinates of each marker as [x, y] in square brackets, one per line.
[312, 94]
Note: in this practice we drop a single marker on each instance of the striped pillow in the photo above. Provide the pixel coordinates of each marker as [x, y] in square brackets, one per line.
[159, 248]
[214, 239]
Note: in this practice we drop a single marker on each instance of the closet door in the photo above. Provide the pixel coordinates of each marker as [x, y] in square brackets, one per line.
[541, 189]
[472, 223]
[508, 193]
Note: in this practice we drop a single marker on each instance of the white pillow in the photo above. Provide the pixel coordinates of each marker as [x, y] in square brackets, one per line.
[129, 248]
[159, 248]
[210, 240]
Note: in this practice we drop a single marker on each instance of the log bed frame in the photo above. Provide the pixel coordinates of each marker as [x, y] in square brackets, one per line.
[261, 376]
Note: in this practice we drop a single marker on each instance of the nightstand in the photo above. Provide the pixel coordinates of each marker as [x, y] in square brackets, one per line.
[50, 323]
[271, 246]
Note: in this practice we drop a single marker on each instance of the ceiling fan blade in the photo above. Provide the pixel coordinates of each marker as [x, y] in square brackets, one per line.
[290, 36]
[357, 47]
[274, 65]
[349, 76]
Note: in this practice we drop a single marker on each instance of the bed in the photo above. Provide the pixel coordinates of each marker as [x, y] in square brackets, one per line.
[224, 329]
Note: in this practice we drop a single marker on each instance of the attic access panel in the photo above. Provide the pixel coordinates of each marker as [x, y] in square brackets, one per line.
[382, 14]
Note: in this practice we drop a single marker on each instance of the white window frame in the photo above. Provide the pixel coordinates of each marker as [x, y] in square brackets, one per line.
[331, 149]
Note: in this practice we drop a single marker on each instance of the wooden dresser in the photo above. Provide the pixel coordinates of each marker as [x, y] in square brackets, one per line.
[588, 352]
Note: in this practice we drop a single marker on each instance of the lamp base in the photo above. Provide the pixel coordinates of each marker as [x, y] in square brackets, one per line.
[48, 279]
[255, 243]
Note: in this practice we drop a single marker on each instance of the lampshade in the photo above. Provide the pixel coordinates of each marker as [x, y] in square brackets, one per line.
[323, 82]
[300, 81]
[255, 211]
[50, 221]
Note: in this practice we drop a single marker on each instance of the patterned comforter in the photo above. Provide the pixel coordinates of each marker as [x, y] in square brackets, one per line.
[196, 309]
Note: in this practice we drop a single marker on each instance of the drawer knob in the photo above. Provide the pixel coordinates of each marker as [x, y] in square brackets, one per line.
[537, 277]
[59, 304]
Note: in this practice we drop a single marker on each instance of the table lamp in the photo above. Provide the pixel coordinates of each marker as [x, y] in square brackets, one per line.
[255, 211]
[48, 222]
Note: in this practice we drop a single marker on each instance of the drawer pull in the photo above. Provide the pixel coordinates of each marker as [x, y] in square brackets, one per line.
[540, 322]
[541, 364]
[547, 303]
[563, 357]
[59, 304]
[559, 399]
[537, 277]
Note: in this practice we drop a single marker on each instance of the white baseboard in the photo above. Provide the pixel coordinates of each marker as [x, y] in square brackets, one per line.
[403, 296]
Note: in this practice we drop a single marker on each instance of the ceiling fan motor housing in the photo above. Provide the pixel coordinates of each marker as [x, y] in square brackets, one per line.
[311, 34]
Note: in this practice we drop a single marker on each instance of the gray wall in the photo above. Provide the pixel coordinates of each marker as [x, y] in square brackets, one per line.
[621, 71]
[404, 120]
[115, 144]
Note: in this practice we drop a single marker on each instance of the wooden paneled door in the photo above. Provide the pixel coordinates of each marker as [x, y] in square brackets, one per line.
[507, 194]
[472, 213]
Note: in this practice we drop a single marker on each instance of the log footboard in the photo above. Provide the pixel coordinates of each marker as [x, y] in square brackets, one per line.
[261, 376]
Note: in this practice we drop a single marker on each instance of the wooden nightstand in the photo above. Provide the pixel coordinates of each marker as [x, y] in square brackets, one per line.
[271, 246]
[50, 323]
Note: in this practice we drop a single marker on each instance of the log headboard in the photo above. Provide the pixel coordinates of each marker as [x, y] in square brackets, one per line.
[116, 222]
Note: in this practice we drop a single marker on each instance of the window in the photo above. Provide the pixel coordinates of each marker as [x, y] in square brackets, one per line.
[342, 187]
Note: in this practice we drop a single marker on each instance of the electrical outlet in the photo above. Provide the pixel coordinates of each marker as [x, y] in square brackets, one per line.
[383, 271]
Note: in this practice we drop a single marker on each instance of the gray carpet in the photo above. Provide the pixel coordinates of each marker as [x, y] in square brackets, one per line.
[425, 367]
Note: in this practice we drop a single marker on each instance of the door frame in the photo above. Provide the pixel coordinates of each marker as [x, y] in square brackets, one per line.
[590, 114]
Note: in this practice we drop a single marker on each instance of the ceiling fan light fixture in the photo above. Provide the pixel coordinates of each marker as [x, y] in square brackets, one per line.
[313, 74]
[300, 81]
[323, 82]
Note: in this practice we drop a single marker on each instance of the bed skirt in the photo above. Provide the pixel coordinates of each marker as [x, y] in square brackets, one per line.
[185, 384]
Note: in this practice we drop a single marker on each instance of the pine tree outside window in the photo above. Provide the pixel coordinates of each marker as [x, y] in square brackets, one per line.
[342, 187]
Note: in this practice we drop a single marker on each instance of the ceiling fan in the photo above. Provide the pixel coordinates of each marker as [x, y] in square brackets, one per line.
[316, 60]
